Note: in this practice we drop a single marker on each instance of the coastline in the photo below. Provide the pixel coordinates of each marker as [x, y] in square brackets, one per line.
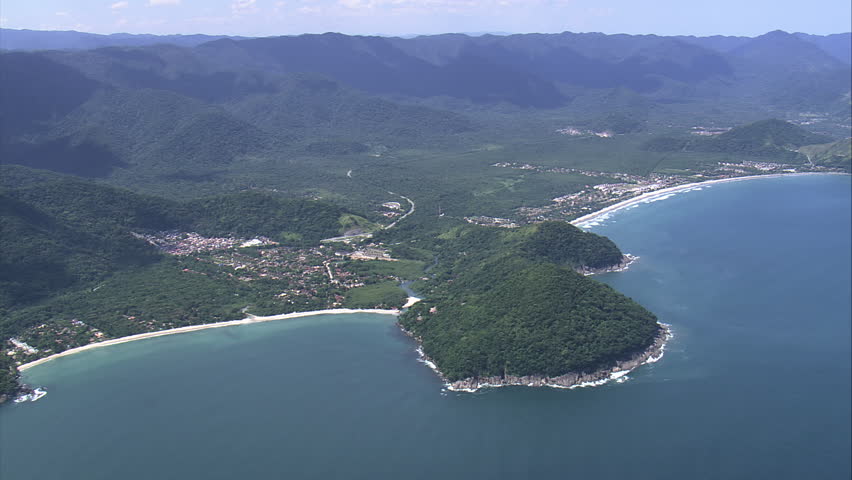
[571, 380]
[648, 196]
[626, 260]
[194, 328]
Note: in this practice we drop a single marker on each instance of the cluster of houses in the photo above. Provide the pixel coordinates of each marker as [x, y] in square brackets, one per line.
[592, 197]
[762, 166]
[491, 221]
[626, 177]
[578, 132]
[391, 209]
[708, 131]
[187, 243]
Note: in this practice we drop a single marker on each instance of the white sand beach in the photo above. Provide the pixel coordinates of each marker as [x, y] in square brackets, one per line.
[195, 328]
[649, 196]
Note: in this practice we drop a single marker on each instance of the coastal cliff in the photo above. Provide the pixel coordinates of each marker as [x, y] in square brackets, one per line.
[626, 260]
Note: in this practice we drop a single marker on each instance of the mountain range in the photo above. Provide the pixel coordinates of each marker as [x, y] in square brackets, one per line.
[189, 108]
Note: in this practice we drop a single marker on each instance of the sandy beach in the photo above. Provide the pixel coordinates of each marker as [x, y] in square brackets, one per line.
[195, 328]
[645, 197]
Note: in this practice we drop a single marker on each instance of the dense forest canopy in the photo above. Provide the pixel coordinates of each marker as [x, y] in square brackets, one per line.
[505, 303]
[59, 231]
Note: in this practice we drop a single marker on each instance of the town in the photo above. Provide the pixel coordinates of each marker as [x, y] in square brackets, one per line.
[595, 197]
[286, 278]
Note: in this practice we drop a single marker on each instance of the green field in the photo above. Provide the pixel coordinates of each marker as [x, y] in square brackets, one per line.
[382, 295]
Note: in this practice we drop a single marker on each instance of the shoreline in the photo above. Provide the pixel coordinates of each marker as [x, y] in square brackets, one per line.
[571, 380]
[626, 260]
[194, 328]
[590, 217]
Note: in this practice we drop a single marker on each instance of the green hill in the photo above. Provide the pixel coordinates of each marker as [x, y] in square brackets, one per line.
[61, 232]
[511, 303]
[290, 221]
[835, 154]
[774, 140]
[310, 107]
[763, 138]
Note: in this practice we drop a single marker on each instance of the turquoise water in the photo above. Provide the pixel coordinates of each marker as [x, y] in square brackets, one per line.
[753, 276]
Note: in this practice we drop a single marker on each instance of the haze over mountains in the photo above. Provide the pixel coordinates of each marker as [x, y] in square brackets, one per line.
[13, 39]
[256, 96]
[837, 45]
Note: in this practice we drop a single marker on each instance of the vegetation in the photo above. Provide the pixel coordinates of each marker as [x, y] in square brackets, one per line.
[772, 139]
[8, 378]
[512, 304]
[60, 232]
[303, 138]
[767, 138]
[403, 269]
[379, 295]
[834, 155]
[253, 214]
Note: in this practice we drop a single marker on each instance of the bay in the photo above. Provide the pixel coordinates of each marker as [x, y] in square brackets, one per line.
[753, 276]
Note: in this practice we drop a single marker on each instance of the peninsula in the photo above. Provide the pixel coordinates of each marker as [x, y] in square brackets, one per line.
[511, 308]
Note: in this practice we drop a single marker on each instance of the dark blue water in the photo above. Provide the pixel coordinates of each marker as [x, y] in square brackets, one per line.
[754, 277]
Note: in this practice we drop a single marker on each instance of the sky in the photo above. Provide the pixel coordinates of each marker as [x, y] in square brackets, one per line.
[407, 17]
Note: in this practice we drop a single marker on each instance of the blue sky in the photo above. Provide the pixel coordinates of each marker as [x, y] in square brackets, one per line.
[401, 17]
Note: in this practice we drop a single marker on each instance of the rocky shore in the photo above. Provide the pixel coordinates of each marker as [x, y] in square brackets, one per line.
[568, 380]
[626, 260]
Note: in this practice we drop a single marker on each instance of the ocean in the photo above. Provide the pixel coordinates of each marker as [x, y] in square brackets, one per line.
[753, 276]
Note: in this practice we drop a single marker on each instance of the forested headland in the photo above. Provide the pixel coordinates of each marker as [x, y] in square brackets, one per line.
[506, 303]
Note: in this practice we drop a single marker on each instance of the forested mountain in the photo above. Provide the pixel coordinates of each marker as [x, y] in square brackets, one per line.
[90, 113]
[766, 137]
[157, 115]
[838, 45]
[59, 231]
[835, 154]
[770, 139]
[527, 70]
[12, 39]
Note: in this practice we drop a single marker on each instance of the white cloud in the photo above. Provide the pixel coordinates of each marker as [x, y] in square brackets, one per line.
[61, 14]
[309, 10]
[156, 22]
[357, 3]
[119, 5]
[243, 7]
[600, 12]
[80, 27]
[156, 3]
[439, 5]
[210, 20]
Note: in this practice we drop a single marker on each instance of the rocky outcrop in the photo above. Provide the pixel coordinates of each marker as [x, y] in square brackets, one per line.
[626, 260]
